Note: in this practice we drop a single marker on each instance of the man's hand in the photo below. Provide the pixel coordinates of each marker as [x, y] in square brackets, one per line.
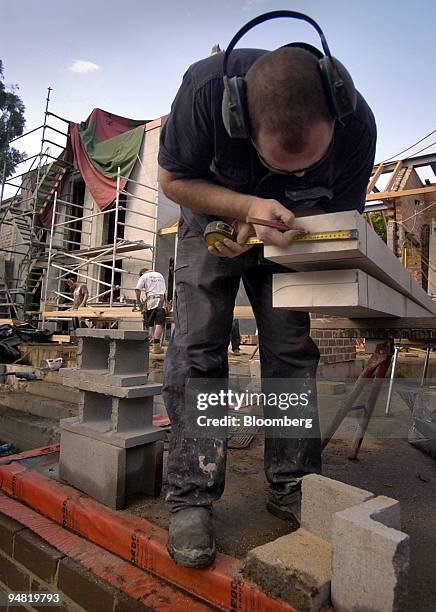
[260, 208]
[271, 210]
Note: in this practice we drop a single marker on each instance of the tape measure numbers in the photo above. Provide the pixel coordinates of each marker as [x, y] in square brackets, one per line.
[316, 236]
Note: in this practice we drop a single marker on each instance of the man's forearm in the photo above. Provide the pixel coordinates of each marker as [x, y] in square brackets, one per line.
[205, 196]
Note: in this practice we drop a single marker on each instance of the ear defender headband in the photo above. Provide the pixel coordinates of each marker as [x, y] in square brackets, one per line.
[337, 82]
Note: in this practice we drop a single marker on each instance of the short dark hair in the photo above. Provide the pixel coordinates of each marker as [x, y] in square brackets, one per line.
[70, 277]
[143, 271]
[285, 96]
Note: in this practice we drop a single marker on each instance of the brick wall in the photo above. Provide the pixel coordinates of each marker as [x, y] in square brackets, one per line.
[332, 348]
[28, 563]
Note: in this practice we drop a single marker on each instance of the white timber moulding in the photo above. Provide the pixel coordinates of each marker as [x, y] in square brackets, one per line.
[367, 252]
[346, 293]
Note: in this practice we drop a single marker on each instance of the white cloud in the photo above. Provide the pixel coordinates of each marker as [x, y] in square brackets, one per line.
[83, 67]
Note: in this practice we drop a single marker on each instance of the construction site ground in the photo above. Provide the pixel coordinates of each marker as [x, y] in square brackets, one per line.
[387, 466]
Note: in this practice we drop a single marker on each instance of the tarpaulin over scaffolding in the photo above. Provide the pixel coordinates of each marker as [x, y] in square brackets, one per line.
[101, 144]
[97, 147]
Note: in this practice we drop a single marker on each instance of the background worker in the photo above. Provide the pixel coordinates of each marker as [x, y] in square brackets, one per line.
[80, 296]
[258, 134]
[153, 285]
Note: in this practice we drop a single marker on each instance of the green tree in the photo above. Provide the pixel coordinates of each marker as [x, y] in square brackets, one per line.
[11, 125]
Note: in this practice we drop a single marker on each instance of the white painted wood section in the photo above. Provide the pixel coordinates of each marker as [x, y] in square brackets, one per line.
[346, 293]
[368, 253]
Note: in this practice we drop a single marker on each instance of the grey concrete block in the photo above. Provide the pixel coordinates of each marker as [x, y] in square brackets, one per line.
[329, 387]
[95, 407]
[128, 414]
[370, 561]
[112, 334]
[128, 357]
[108, 473]
[295, 568]
[322, 497]
[144, 469]
[94, 467]
[145, 390]
[92, 354]
[102, 430]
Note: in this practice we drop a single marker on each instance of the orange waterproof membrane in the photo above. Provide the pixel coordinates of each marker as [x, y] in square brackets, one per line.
[134, 539]
[135, 582]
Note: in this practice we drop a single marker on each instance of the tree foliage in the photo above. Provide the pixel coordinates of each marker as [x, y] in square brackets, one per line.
[11, 125]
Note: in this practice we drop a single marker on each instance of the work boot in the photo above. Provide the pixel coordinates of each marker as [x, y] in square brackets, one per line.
[156, 349]
[191, 541]
[284, 501]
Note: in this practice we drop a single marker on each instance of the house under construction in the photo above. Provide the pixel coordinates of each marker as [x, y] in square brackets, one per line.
[93, 211]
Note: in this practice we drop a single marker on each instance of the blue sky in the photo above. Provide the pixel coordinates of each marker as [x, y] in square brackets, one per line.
[142, 48]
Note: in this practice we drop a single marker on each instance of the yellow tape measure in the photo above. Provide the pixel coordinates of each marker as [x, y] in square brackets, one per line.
[315, 237]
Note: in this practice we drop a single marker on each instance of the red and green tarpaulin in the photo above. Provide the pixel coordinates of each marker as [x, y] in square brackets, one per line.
[98, 147]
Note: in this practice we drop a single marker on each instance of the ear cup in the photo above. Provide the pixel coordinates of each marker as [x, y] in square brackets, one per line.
[339, 87]
[234, 108]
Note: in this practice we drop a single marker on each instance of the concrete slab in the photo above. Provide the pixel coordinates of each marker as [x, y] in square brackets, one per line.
[145, 390]
[350, 293]
[51, 390]
[37, 405]
[27, 431]
[295, 567]
[370, 561]
[322, 497]
[102, 430]
[367, 252]
[103, 377]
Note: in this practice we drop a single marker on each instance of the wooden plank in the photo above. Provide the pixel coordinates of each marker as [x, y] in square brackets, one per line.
[352, 293]
[386, 195]
[114, 314]
[394, 175]
[367, 252]
[374, 178]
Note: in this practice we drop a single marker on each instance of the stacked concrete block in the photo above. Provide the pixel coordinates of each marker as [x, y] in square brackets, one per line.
[348, 552]
[112, 448]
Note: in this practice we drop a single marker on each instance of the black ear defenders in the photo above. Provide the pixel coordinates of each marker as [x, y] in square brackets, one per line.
[337, 82]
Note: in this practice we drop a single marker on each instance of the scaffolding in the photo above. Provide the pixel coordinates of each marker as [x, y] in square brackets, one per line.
[20, 278]
[101, 259]
[43, 257]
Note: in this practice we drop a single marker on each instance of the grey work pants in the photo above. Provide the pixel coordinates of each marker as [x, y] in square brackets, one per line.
[206, 288]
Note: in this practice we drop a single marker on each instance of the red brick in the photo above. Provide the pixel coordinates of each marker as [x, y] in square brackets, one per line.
[38, 556]
[8, 528]
[12, 576]
[84, 588]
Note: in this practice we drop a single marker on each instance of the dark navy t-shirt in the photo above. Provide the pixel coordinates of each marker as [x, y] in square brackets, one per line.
[195, 144]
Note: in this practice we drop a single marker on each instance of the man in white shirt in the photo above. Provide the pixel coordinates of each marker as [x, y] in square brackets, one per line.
[153, 284]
